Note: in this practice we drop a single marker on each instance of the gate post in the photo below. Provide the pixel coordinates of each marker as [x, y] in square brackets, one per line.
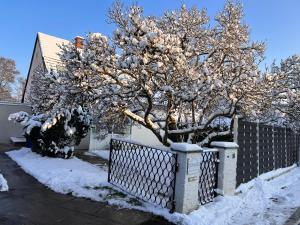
[298, 149]
[187, 177]
[227, 166]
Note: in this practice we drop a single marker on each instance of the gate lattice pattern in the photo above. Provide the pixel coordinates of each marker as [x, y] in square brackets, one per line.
[263, 148]
[144, 172]
[208, 176]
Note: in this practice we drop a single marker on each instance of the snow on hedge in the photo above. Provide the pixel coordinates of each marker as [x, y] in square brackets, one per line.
[260, 202]
[3, 183]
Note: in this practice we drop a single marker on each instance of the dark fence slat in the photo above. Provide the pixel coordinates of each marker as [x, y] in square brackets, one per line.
[263, 148]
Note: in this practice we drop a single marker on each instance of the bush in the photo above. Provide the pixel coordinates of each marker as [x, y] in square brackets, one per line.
[55, 135]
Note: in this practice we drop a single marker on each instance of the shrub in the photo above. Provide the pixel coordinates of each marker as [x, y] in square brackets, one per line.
[55, 135]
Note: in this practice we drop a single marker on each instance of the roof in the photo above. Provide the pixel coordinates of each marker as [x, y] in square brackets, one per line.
[50, 49]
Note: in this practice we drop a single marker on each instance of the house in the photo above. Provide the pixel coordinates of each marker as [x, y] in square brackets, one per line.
[45, 57]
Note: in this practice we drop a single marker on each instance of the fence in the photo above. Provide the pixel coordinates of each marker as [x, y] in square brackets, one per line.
[144, 172]
[208, 178]
[263, 148]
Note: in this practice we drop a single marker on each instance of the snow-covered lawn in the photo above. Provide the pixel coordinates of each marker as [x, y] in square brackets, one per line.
[259, 202]
[3, 183]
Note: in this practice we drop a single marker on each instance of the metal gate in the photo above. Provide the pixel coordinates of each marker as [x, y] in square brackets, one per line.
[144, 172]
[208, 179]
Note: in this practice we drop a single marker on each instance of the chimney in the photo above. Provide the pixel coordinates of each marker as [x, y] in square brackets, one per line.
[79, 42]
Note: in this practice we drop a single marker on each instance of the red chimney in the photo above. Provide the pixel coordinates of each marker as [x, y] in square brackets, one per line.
[79, 42]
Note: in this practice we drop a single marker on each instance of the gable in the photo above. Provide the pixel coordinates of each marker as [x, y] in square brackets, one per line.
[44, 58]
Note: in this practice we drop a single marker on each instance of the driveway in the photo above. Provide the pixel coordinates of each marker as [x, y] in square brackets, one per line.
[30, 203]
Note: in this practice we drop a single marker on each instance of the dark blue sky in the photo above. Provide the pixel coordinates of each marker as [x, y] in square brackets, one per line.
[275, 21]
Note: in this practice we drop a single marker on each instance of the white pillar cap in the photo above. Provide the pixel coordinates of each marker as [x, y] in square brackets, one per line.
[185, 147]
[223, 144]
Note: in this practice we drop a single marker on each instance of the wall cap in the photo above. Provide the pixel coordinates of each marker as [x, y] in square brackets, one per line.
[223, 144]
[185, 147]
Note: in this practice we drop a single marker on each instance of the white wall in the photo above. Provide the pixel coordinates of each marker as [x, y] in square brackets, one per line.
[139, 135]
[8, 128]
[144, 136]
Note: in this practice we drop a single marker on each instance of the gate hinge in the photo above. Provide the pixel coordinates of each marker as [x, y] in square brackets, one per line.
[176, 167]
[172, 210]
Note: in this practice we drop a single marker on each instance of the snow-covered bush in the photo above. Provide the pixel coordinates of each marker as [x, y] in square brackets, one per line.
[55, 135]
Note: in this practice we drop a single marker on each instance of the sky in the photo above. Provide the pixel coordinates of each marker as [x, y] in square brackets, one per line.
[277, 22]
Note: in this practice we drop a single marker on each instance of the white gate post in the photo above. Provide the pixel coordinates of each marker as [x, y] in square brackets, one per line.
[298, 151]
[187, 177]
[227, 166]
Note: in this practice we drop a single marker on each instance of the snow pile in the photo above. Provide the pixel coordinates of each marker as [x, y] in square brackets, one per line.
[261, 203]
[63, 176]
[3, 183]
[265, 176]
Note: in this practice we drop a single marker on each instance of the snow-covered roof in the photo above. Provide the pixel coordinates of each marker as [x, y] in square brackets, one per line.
[50, 49]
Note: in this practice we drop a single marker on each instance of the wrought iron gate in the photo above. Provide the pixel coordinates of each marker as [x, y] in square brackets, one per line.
[208, 176]
[145, 172]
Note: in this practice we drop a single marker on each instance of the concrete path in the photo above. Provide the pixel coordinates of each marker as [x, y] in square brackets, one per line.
[294, 219]
[30, 203]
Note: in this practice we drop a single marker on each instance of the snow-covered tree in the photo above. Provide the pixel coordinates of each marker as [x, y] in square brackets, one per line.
[45, 91]
[8, 73]
[83, 70]
[285, 103]
[178, 75]
[19, 89]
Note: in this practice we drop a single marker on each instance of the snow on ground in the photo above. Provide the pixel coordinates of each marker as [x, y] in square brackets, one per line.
[3, 183]
[101, 153]
[63, 176]
[266, 202]
[260, 202]
[79, 178]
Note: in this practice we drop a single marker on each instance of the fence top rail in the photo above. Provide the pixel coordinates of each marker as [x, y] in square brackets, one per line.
[160, 148]
[269, 125]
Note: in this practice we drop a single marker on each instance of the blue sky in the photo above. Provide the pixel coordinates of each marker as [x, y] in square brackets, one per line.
[275, 21]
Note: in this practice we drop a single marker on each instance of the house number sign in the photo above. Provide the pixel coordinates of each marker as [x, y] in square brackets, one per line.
[193, 165]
